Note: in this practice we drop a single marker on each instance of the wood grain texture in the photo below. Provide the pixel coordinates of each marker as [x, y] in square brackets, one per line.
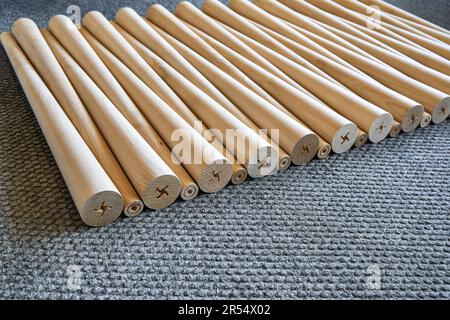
[435, 34]
[349, 15]
[102, 29]
[395, 130]
[114, 41]
[434, 101]
[429, 59]
[35, 47]
[378, 39]
[233, 19]
[141, 29]
[320, 118]
[361, 138]
[406, 65]
[97, 199]
[239, 172]
[399, 28]
[240, 9]
[324, 149]
[138, 28]
[426, 120]
[155, 182]
[168, 22]
[277, 9]
[385, 19]
[306, 9]
[135, 115]
[284, 158]
[198, 78]
[180, 30]
[212, 172]
[387, 7]
[438, 47]
[366, 115]
[192, 15]
[246, 28]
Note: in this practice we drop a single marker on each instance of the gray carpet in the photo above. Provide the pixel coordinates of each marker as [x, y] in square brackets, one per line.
[321, 231]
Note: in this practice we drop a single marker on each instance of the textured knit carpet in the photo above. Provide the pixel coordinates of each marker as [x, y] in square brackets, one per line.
[371, 223]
